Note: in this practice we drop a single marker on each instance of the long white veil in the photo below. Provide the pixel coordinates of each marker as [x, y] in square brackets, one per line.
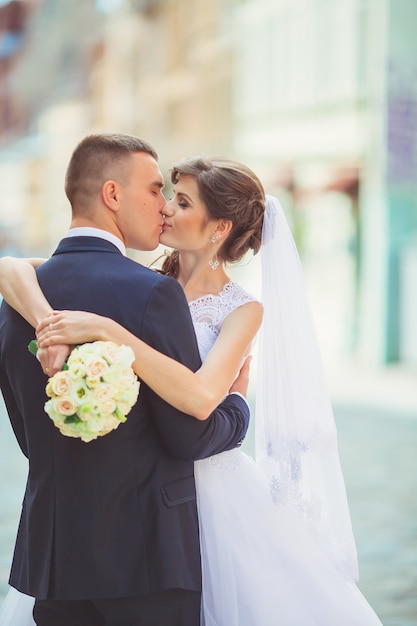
[296, 439]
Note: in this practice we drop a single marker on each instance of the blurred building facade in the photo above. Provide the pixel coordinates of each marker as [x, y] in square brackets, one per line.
[317, 96]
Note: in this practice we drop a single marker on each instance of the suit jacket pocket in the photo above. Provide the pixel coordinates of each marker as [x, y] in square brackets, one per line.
[179, 491]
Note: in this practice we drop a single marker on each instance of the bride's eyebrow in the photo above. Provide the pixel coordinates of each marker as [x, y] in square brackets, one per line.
[182, 194]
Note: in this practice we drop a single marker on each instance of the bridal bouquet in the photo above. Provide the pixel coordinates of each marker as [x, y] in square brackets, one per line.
[94, 392]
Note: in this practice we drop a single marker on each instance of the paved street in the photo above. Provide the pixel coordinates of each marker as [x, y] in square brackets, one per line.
[378, 450]
[378, 453]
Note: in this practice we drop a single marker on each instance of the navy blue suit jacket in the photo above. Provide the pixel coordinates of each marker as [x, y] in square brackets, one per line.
[115, 517]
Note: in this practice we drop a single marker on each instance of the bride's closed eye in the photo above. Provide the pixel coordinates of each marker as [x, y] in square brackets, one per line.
[179, 202]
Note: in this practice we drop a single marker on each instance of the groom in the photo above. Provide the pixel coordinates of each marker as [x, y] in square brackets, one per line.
[109, 529]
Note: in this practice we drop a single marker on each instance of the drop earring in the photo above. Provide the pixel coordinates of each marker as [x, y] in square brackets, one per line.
[214, 261]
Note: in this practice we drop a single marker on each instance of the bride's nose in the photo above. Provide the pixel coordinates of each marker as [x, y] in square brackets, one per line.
[169, 209]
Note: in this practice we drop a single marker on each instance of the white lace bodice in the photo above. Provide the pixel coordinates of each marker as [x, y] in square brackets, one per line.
[208, 313]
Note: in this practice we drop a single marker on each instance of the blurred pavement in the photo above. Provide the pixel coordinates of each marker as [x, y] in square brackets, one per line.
[376, 416]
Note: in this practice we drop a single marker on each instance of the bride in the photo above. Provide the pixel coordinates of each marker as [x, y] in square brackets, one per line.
[275, 533]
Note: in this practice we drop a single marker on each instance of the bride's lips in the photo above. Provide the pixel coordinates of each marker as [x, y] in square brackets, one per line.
[164, 228]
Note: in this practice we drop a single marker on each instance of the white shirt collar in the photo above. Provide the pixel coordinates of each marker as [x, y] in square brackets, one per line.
[89, 231]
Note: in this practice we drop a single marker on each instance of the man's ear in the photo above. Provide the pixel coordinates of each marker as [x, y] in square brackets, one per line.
[110, 194]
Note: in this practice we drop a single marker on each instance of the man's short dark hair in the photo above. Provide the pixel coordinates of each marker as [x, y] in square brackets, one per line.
[98, 158]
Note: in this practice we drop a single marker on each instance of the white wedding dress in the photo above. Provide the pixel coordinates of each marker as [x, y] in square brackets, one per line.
[260, 566]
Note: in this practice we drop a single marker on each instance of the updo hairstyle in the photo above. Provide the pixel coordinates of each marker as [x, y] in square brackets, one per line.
[230, 191]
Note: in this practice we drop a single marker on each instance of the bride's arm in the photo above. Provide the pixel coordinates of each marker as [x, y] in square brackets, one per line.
[17, 285]
[20, 288]
[195, 393]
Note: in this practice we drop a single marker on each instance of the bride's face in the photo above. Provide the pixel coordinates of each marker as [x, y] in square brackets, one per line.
[187, 226]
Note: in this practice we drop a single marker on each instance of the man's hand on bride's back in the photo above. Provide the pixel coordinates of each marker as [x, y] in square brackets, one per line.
[241, 383]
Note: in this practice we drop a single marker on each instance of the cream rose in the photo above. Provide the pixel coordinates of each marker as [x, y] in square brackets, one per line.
[95, 367]
[102, 393]
[65, 405]
[59, 385]
[95, 393]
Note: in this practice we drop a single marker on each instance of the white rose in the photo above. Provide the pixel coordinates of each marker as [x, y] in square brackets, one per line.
[112, 374]
[87, 350]
[69, 431]
[128, 395]
[91, 383]
[106, 407]
[126, 356]
[80, 391]
[128, 377]
[76, 369]
[110, 351]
